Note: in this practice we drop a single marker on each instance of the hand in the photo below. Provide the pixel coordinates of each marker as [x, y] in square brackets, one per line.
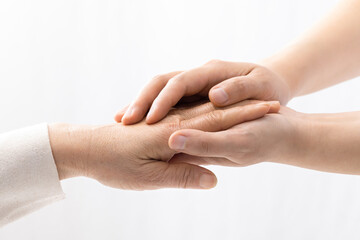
[136, 157]
[275, 138]
[325, 142]
[225, 83]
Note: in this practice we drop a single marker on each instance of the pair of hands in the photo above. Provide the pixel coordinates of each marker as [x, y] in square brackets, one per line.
[324, 57]
[168, 152]
[226, 83]
[139, 157]
[323, 142]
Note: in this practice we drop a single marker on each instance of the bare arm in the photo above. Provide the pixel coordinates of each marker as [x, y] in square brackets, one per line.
[324, 142]
[326, 55]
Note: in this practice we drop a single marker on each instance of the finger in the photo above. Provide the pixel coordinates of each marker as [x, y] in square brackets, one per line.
[192, 82]
[185, 158]
[196, 102]
[195, 109]
[221, 119]
[201, 144]
[142, 103]
[178, 175]
[119, 115]
[234, 90]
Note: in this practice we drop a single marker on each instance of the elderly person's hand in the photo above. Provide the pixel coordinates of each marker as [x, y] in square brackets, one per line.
[136, 157]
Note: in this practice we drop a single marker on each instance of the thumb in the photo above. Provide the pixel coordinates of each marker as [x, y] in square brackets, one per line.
[182, 175]
[234, 90]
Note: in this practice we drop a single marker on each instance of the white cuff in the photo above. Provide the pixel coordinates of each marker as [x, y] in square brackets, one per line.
[28, 175]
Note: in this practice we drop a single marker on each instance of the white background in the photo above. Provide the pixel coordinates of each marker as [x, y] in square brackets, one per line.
[80, 61]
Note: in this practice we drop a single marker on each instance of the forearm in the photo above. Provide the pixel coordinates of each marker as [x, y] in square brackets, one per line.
[328, 142]
[328, 54]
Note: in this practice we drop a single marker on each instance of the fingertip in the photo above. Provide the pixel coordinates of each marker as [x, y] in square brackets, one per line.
[120, 114]
[118, 117]
[177, 142]
[132, 115]
[208, 180]
[127, 121]
[154, 115]
[130, 120]
[172, 139]
[197, 177]
[150, 120]
[274, 106]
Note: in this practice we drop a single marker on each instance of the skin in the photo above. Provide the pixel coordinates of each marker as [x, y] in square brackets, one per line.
[323, 142]
[137, 157]
[326, 55]
[239, 80]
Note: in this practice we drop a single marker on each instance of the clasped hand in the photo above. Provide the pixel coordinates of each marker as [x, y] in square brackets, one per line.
[325, 142]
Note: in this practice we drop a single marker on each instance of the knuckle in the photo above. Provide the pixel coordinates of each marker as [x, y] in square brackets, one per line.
[186, 177]
[260, 70]
[205, 147]
[216, 118]
[246, 139]
[214, 62]
[175, 124]
[150, 178]
[239, 86]
[159, 78]
[246, 146]
[175, 80]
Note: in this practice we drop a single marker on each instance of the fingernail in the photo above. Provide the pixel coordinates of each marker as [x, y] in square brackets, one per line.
[178, 143]
[219, 95]
[129, 113]
[207, 181]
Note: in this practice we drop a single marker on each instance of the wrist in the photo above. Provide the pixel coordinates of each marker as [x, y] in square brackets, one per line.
[338, 138]
[327, 143]
[298, 140]
[286, 70]
[69, 145]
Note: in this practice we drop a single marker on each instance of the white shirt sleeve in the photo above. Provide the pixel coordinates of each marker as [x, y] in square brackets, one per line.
[28, 175]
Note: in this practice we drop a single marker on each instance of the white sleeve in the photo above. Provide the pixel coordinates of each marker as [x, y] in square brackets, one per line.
[28, 175]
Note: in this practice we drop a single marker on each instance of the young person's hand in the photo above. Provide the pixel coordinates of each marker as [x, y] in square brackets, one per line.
[136, 157]
[325, 142]
[326, 55]
[225, 83]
